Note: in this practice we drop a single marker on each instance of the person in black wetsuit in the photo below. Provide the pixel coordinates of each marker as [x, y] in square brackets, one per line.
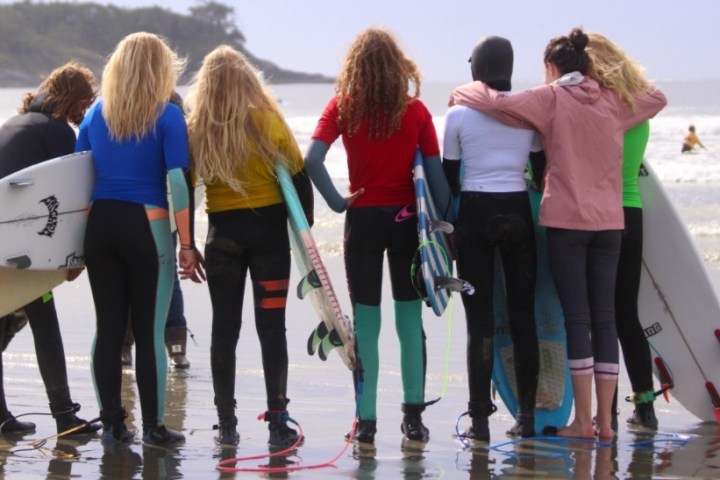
[40, 132]
[494, 222]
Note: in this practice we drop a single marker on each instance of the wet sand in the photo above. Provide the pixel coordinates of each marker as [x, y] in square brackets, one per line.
[323, 404]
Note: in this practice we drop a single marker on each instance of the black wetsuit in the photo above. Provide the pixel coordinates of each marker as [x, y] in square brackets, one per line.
[25, 140]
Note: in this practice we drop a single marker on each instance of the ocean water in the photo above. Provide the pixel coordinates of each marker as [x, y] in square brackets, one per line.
[321, 392]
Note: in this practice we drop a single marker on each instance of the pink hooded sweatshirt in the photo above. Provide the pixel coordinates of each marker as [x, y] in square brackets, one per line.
[582, 126]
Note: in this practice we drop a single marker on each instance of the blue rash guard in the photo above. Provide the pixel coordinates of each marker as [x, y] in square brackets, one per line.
[135, 170]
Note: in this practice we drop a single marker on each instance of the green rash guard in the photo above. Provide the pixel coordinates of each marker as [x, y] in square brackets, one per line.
[634, 144]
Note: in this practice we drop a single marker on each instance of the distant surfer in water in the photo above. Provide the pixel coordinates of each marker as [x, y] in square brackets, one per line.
[691, 141]
[40, 132]
[495, 216]
[614, 70]
[139, 145]
[237, 135]
[581, 206]
[382, 125]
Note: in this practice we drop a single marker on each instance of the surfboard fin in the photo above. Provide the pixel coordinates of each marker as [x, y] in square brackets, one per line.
[323, 341]
[316, 337]
[454, 284]
[308, 283]
[328, 344]
[441, 226]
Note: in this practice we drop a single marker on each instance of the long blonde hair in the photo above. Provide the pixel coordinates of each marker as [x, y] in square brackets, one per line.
[222, 132]
[373, 84]
[137, 82]
[614, 70]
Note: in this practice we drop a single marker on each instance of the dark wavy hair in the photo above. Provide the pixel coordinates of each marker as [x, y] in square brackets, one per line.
[568, 53]
[68, 92]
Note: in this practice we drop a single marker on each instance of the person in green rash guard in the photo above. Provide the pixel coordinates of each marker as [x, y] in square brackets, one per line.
[612, 68]
[381, 126]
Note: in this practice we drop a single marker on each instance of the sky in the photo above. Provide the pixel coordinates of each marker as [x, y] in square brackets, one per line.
[672, 39]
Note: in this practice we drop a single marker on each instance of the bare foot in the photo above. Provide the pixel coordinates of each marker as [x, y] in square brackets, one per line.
[606, 434]
[575, 430]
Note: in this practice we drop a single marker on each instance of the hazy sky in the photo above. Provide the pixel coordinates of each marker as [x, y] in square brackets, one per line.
[673, 39]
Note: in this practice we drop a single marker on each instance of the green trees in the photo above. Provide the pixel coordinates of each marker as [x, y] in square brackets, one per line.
[36, 37]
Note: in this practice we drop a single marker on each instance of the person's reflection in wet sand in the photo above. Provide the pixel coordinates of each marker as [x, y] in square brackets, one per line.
[120, 461]
[161, 462]
[66, 454]
[478, 465]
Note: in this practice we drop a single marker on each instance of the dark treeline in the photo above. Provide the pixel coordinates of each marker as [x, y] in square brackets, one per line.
[36, 37]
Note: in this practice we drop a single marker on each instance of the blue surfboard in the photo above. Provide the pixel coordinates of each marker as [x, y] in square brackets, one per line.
[434, 280]
[554, 398]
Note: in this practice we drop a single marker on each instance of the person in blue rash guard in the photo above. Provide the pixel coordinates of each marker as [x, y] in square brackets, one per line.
[138, 141]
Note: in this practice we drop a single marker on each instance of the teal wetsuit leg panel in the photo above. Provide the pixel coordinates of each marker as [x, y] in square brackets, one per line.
[166, 262]
[367, 332]
[408, 323]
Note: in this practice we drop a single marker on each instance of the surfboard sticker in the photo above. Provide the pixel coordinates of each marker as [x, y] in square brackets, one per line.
[43, 212]
[433, 266]
[312, 270]
[554, 398]
[678, 305]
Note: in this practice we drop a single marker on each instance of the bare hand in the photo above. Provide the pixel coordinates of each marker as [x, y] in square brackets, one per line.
[350, 198]
[73, 273]
[187, 263]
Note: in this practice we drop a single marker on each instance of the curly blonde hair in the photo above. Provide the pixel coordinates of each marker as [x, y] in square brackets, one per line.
[69, 91]
[222, 130]
[614, 70]
[373, 84]
[137, 82]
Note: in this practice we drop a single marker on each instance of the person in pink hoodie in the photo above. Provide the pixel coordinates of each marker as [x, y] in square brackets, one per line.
[582, 127]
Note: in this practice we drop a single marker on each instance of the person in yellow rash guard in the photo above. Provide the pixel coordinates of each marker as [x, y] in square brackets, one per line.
[237, 135]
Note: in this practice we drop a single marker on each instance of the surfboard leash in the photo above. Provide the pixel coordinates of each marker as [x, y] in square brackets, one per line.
[224, 465]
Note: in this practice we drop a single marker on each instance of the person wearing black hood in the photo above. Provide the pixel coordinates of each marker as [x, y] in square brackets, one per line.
[494, 216]
[40, 132]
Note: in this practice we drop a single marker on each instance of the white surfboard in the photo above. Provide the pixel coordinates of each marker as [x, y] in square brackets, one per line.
[20, 287]
[679, 307]
[315, 281]
[43, 212]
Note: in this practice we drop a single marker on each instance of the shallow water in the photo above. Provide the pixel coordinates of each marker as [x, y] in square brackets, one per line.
[322, 403]
[322, 393]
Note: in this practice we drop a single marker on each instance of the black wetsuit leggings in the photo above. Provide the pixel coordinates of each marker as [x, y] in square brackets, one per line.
[635, 347]
[130, 263]
[238, 241]
[584, 268]
[43, 321]
[490, 224]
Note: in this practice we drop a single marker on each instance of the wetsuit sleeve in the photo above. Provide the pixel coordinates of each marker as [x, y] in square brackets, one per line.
[452, 174]
[59, 139]
[303, 185]
[439, 187]
[315, 166]
[181, 204]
